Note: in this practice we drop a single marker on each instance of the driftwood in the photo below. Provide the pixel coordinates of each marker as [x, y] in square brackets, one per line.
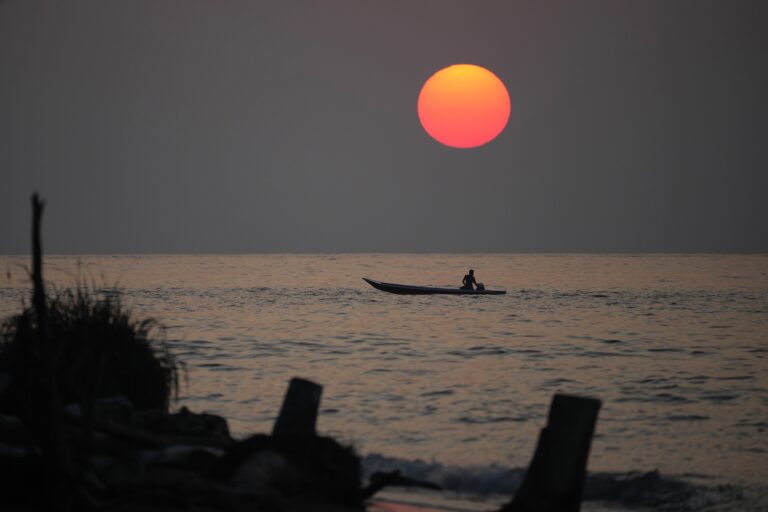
[379, 480]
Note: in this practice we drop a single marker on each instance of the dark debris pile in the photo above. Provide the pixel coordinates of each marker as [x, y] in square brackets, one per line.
[129, 460]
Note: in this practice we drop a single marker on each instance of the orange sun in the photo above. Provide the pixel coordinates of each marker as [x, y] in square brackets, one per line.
[464, 106]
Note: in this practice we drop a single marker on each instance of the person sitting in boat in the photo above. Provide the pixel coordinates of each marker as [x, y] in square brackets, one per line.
[469, 282]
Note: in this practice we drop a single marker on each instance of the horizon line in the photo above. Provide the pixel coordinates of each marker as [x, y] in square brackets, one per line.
[310, 253]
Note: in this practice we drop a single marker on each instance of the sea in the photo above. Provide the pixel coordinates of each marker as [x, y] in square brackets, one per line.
[455, 389]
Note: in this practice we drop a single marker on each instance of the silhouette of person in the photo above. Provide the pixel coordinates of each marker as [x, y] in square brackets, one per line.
[469, 282]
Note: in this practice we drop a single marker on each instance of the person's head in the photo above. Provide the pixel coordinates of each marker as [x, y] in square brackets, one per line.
[471, 272]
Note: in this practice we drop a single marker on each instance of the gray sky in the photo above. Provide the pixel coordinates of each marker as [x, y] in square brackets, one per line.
[287, 126]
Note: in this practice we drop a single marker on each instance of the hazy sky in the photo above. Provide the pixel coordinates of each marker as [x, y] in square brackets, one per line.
[288, 126]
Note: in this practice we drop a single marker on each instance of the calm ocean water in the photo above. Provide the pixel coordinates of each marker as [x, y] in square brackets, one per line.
[674, 345]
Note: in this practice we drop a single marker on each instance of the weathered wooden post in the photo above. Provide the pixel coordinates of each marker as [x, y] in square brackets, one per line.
[44, 411]
[38, 290]
[298, 415]
[46, 349]
[555, 478]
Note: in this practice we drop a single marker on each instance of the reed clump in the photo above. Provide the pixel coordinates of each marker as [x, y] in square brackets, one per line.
[92, 348]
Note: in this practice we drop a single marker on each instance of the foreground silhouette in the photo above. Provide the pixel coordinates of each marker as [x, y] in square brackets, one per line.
[84, 425]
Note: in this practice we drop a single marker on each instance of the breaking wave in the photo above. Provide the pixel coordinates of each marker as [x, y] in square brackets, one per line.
[630, 490]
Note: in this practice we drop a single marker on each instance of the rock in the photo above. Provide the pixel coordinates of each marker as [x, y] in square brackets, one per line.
[24, 473]
[13, 430]
[199, 428]
[5, 381]
[179, 481]
[124, 474]
[314, 467]
[115, 408]
[268, 470]
[193, 457]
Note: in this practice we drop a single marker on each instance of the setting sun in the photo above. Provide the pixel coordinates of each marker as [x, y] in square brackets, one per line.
[464, 106]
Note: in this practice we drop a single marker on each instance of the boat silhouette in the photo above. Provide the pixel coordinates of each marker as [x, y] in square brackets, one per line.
[407, 289]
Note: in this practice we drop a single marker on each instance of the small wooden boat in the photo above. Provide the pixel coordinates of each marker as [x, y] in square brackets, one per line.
[406, 289]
